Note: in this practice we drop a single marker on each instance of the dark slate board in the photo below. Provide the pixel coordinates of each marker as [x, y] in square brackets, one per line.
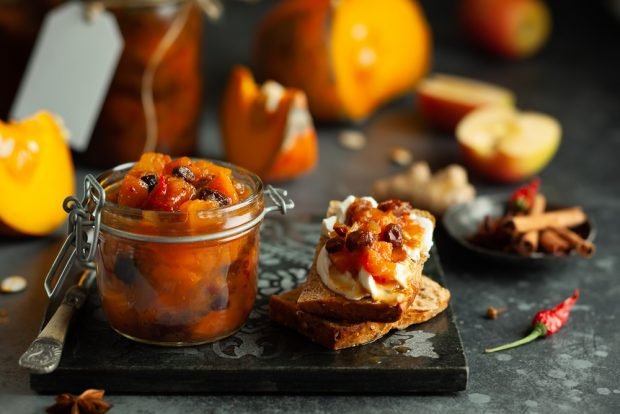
[263, 357]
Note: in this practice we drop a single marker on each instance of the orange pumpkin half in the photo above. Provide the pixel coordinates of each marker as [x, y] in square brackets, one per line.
[36, 174]
[349, 56]
[267, 129]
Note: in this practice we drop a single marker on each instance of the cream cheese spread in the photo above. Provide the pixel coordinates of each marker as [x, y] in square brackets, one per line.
[364, 285]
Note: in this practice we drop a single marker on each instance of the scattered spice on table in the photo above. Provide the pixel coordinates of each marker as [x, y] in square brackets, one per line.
[89, 402]
[493, 312]
[545, 323]
[352, 140]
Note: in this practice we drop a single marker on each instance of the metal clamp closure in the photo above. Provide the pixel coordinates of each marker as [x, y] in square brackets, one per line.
[82, 234]
[277, 196]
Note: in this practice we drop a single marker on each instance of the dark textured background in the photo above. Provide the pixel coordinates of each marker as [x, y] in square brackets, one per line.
[576, 79]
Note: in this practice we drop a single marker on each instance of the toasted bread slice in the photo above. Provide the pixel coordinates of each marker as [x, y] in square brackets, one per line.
[283, 309]
[318, 299]
[333, 335]
[431, 300]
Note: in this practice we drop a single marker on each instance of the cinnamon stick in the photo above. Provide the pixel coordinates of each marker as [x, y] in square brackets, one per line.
[528, 243]
[552, 243]
[567, 217]
[583, 247]
[491, 233]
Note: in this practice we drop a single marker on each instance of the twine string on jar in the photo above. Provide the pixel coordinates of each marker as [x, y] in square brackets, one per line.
[148, 101]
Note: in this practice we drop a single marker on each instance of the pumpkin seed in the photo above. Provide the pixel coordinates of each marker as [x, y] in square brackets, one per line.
[401, 156]
[13, 284]
[352, 140]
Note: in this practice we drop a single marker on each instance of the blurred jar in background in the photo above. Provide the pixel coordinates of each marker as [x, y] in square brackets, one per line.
[20, 21]
[154, 100]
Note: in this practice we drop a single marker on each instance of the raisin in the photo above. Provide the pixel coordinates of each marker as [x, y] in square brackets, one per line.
[359, 239]
[184, 173]
[335, 244]
[393, 234]
[125, 268]
[397, 207]
[341, 229]
[150, 180]
[209, 194]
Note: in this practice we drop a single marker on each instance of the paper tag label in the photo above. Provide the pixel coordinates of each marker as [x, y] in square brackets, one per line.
[72, 65]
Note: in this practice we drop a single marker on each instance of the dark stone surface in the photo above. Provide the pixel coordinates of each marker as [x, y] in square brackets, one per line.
[576, 80]
[268, 358]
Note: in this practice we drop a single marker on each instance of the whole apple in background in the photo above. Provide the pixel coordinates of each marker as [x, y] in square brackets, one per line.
[512, 29]
[504, 145]
[444, 99]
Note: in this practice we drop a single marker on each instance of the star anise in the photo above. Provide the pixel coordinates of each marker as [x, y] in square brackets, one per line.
[89, 402]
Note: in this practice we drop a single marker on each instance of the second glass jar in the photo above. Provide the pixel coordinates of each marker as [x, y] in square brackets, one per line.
[163, 37]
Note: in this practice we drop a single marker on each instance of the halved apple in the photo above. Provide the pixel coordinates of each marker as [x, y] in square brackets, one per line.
[267, 129]
[444, 99]
[504, 145]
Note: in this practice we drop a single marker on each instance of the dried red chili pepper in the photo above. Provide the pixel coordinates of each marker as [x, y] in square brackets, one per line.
[546, 322]
[523, 198]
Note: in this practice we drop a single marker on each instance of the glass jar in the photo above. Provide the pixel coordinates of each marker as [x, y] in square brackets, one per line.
[154, 100]
[179, 278]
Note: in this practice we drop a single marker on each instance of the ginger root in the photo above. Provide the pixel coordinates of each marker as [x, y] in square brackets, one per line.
[434, 192]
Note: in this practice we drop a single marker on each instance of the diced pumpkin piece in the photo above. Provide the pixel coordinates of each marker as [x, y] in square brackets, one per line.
[150, 163]
[377, 260]
[179, 162]
[133, 192]
[224, 185]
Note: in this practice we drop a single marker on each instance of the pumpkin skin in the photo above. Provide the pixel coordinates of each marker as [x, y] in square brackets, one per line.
[36, 174]
[267, 128]
[350, 56]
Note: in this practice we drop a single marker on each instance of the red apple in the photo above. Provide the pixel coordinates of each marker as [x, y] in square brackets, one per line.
[444, 100]
[512, 29]
[504, 145]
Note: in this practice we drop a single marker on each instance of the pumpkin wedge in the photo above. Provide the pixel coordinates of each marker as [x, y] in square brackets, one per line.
[36, 174]
[348, 56]
[267, 129]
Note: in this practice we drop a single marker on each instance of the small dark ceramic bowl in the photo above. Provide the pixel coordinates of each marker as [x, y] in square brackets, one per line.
[462, 221]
